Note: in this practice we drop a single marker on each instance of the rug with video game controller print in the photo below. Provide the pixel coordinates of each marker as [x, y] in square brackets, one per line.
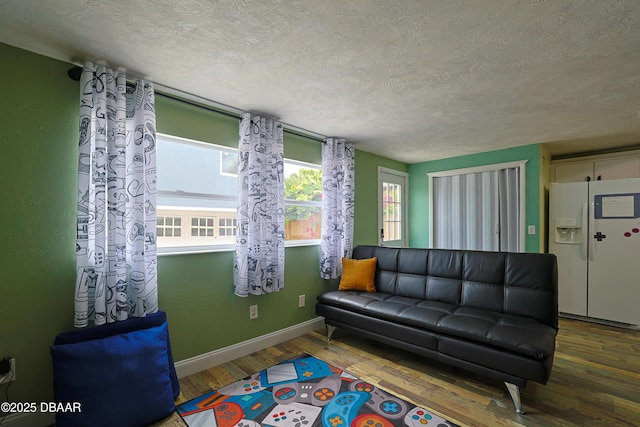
[304, 392]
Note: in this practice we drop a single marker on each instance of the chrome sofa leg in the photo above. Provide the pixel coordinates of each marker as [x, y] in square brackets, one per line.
[514, 391]
[330, 330]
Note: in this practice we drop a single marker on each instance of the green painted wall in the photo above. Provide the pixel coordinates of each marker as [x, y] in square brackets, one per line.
[38, 186]
[419, 190]
[366, 227]
[38, 142]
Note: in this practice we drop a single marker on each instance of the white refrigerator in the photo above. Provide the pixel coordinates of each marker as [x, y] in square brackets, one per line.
[594, 230]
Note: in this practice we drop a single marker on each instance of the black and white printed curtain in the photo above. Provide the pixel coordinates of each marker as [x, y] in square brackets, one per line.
[259, 256]
[116, 220]
[338, 184]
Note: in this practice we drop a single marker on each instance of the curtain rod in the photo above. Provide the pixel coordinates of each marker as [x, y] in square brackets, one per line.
[597, 152]
[75, 73]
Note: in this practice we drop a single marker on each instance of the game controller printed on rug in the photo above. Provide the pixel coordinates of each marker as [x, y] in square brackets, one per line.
[304, 392]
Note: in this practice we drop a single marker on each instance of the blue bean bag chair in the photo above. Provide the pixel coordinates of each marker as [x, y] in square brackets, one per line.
[118, 374]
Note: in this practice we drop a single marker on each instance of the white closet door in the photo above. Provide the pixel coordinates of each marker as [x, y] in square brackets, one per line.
[466, 211]
[478, 210]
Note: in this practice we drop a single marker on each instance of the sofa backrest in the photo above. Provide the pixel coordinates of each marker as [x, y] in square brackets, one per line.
[524, 284]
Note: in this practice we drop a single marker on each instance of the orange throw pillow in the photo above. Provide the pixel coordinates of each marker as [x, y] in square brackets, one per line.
[358, 274]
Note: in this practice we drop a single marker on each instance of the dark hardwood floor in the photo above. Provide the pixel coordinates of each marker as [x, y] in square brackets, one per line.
[595, 379]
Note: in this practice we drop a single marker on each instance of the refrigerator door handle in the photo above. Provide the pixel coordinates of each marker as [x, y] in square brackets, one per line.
[592, 230]
[585, 233]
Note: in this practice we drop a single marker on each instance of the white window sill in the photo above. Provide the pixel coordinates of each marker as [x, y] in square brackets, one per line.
[225, 248]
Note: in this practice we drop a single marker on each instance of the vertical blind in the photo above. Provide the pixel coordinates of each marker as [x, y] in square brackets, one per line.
[477, 211]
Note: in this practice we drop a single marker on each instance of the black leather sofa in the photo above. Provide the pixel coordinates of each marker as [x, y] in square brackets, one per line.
[492, 313]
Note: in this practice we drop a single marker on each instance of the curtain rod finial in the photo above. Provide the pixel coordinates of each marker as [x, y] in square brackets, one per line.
[74, 73]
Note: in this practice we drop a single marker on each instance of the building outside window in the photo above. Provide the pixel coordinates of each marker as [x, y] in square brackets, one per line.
[227, 227]
[169, 226]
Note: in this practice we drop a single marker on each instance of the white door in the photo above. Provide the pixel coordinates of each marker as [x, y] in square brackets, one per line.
[465, 211]
[614, 283]
[569, 242]
[392, 207]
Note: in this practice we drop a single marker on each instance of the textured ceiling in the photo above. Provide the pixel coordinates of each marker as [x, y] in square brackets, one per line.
[411, 80]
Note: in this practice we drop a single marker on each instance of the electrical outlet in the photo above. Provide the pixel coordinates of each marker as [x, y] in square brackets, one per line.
[253, 312]
[301, 301]
[11, 375]
[531, 229]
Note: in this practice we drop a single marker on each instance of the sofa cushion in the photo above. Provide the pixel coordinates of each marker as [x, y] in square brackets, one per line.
[393, 330]
[408, 311]
[495, 358]
[358, 274]
[356, 300]
[518, 334]
[531, 287]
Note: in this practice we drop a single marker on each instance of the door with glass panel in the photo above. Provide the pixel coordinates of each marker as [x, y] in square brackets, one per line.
[392, 207]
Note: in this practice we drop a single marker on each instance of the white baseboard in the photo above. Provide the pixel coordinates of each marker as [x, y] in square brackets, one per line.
[201, 362]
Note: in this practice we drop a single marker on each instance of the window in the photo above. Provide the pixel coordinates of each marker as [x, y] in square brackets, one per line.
[227, 227]
[391, 211]
[169, 226]
[303, 201]
[202, 227]
[197, 197]
[196, 190]
[229, 163]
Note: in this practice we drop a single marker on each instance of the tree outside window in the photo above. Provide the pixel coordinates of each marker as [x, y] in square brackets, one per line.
[303, 209]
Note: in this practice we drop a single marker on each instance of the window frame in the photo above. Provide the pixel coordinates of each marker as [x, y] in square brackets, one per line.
[404, 207]
[225, 247]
